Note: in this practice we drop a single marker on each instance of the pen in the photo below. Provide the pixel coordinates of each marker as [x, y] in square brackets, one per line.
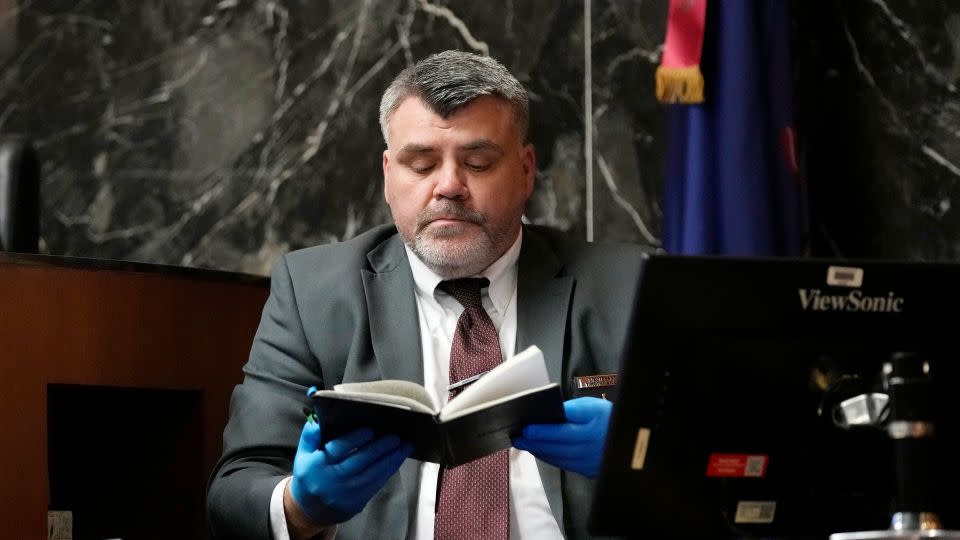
[311, 415]
[466, 381]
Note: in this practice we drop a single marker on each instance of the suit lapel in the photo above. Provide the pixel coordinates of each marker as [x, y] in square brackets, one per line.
[392, 311]
[543, 300]
[395, 335]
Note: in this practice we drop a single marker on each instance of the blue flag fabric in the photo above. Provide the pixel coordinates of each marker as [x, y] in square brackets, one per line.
[732, 183]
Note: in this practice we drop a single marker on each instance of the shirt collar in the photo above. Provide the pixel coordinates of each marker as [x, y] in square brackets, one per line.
[502, 274]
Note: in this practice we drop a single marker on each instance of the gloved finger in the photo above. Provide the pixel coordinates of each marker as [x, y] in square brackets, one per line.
[559, 432]
[548, 451]
[371, 479]
[339, 448]
[311, 390]
[309, 437]
[586, 409]
[368, 455]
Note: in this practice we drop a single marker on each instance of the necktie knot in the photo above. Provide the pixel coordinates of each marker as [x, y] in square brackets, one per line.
[465, 290]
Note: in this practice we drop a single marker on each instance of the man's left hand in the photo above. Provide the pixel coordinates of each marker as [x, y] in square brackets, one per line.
[577, 444]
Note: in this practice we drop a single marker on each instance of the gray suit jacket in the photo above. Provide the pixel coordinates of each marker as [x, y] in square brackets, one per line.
[347, 312]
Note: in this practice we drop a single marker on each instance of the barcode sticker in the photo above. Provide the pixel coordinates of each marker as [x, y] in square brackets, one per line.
[756, 466]
[755, 512]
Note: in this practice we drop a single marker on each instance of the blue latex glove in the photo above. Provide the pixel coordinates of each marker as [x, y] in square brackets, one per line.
[333, 482]
[576, 445]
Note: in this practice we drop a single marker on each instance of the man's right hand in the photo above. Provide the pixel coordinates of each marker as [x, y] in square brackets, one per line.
[333, 482]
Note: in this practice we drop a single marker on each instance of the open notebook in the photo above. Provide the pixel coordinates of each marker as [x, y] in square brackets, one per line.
[478, 421]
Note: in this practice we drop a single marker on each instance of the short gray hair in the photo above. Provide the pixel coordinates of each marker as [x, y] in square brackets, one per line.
[449, 80]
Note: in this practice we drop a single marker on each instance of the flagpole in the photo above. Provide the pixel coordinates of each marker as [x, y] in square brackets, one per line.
[588, 113]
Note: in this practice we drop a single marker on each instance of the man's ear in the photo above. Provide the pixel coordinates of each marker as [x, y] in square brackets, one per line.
[386, 173]
[528, 163]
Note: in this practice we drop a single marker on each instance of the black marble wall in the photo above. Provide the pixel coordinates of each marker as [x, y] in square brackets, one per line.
[879, 111]
[224, 133]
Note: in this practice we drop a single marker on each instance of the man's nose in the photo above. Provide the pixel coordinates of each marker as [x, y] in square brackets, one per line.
[451, 183]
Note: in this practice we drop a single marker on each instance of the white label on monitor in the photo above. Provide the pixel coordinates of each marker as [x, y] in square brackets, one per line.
[755, 512]
[844, 276]
[640, 449]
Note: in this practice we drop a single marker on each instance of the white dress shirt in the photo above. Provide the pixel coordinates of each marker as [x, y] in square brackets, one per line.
[530, 514]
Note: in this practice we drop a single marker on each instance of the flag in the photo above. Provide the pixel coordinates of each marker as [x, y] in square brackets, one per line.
[679, 79]
[732, 180]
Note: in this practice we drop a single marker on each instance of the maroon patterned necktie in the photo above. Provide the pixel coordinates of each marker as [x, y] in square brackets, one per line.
[474, 498]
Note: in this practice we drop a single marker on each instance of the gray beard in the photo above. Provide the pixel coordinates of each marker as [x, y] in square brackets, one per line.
[464, 259]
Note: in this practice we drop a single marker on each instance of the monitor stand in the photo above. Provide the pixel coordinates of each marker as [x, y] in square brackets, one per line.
[910, 424]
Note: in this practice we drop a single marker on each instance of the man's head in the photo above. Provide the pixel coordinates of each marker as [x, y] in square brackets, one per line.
[447, 81]
[457, 169]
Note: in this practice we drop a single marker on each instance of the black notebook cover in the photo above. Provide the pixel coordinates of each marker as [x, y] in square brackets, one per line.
[451, 443]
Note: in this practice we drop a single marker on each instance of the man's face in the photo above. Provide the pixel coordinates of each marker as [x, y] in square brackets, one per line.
[457, 186]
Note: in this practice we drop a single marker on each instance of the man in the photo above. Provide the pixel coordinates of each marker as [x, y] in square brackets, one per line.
[457, 173]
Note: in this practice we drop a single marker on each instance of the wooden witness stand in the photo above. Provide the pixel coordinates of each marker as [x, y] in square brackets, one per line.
[94, 355]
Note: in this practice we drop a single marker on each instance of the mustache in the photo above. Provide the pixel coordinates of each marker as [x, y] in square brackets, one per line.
[449, 209]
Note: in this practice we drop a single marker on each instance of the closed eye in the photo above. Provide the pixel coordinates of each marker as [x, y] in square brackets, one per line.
[478, 167]
[480, 156]
[420, 166]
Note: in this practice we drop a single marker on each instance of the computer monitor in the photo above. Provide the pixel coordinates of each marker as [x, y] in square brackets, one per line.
[728, 423]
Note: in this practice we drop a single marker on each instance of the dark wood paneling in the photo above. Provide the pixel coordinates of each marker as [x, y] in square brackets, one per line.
[115, 328]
